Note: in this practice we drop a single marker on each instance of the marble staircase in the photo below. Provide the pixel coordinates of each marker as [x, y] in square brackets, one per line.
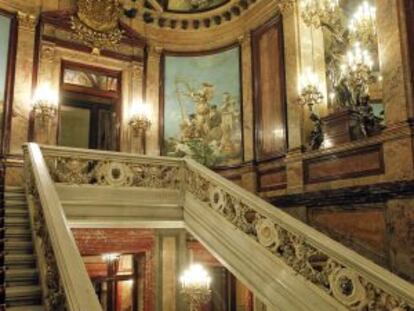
[21, 279]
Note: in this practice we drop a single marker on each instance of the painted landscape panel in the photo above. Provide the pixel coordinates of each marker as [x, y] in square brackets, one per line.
[202, 108]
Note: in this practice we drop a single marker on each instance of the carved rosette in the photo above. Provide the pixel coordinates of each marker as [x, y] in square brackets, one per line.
[114, 174]
[217, 199]
[347, 288]
[267, 233]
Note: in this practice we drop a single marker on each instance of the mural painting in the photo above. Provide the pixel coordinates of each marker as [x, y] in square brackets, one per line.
[202, 108]
[5, 24]
[193, 5]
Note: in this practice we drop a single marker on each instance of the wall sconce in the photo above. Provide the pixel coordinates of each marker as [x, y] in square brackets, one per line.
[139, 123]
[310, 95]
[317, 12]
[45, 102]
[309, 90]
[195, 285]
[363, 25]
[111, 257]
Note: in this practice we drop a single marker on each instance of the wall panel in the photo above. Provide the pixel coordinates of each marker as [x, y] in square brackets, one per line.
[269, 90]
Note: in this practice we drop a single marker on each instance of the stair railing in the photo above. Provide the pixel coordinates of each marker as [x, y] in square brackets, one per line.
[352, 280]
[342, 276]
[64, 279]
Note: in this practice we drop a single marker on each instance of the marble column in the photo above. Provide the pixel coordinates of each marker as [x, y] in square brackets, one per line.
[247, 93]
[312, 56]
[45, 129]
[152, 99]
[137, 137]
[23, 81]
[397, 152]
[169, 277]
[298, 42]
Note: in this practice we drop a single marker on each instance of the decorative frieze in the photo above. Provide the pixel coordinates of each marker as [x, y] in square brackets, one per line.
[119, 174]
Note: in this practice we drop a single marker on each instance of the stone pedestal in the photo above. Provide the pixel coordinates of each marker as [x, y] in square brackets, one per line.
[341, 127]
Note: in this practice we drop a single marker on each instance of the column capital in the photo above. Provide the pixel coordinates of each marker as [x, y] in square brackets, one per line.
[27, 21]
[155, 50]
[245, 38]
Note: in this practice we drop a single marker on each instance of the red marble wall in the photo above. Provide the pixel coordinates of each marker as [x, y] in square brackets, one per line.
[101, 241]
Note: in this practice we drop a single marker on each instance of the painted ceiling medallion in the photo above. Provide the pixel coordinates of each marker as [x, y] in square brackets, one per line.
[97, 23]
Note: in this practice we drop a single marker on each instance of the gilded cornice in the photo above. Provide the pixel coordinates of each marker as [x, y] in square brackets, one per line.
[213, 37]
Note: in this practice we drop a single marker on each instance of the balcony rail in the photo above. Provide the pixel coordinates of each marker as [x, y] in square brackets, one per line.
[342, 279]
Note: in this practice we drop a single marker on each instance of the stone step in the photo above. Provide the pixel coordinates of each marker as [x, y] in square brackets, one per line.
[12, 203]
[18, 195]
[17, 222]
[16, 212]
[23, 295]
[19, 277]
[20, 260]
[13, 189]
[26, 308]
[17, 233]
[18, 247]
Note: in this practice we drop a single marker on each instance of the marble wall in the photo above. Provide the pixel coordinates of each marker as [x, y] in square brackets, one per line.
[289, 177]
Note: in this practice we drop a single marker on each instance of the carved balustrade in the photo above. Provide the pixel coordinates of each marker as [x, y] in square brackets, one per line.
[353, 281]
[65, 282]
[310, 254]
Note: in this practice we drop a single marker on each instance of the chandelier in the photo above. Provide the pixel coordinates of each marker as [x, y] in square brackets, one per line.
[357, 69]
[317, 12]
[195, 285]
[362, 26]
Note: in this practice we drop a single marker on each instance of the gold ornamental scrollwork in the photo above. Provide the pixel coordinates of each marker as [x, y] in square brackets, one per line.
[97, 23]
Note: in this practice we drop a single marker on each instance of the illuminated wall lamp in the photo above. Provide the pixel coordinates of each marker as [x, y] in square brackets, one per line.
[45, 102]
[195, 286]
[111, 257]
[139, 123]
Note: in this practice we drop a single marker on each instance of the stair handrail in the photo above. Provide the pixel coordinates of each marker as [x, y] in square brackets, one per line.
[374, 286]
[68, 286]
[296, 243]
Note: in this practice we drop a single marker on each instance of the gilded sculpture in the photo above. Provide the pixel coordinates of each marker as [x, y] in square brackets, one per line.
[97, 23]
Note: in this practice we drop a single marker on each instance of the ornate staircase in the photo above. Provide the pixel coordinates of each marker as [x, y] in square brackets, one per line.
[21, 278]
[287, 264]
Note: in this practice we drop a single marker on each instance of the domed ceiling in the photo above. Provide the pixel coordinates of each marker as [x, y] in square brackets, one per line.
[190, 6]
[185, 14]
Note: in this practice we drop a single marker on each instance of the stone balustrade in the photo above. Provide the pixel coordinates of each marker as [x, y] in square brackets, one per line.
[298, 267]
